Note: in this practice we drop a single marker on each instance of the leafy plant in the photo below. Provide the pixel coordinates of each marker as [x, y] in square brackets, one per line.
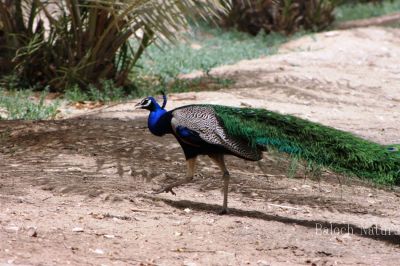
[75, 94]
[284, 16]
[318, 14]
[80, 42]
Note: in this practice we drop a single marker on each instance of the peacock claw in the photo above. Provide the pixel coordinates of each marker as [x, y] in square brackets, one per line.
[170, 190]
[223, 211]
[166, 190]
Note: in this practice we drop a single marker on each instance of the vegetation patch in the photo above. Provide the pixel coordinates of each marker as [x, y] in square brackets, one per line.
[23, 104]
[68, 43]
[283, 16]
[107, 92]
[204, 48]
[352, 11]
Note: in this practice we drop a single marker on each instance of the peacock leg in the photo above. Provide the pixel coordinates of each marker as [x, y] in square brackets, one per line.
[219, 160]
[191, 166]
[262, 168]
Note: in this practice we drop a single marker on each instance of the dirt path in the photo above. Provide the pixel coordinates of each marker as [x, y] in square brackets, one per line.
[75, 191]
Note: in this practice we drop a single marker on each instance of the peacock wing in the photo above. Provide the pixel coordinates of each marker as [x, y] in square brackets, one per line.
[198, 121]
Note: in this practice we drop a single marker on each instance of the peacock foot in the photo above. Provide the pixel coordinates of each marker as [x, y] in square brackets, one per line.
[165, 189]
[223, 211]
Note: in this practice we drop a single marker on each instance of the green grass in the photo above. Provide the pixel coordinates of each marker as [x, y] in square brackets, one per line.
[348, 12]
[108, 93]
[21, 104]
[204, 49]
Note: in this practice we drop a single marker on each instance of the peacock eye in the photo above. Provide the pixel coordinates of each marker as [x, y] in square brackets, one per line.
[146, 102]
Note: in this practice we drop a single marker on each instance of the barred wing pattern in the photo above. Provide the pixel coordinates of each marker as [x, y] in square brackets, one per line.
[204, 121]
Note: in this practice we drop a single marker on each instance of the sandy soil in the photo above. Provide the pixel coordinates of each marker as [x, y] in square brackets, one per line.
[76, 191]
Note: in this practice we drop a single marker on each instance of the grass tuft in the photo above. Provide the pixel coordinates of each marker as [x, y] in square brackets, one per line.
[21, 104]
[108, 92]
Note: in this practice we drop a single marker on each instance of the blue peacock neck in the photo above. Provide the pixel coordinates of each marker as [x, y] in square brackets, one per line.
[159, 120]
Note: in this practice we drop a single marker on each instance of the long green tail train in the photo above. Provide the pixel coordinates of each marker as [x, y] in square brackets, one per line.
[337, 150]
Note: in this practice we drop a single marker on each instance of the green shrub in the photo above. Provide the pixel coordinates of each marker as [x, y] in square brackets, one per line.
[283, 16]
[61, 44]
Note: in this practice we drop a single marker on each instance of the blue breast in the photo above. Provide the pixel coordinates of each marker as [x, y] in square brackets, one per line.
[159, 122]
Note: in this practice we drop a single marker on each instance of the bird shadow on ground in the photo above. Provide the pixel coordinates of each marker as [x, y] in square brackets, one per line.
[379, 234]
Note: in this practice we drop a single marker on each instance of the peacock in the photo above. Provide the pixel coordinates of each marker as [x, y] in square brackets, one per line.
[216, 131]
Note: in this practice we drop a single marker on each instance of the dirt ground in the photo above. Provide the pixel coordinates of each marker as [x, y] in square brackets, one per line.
[76, 191]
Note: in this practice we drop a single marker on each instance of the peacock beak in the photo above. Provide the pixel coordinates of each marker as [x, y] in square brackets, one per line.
[138, 105]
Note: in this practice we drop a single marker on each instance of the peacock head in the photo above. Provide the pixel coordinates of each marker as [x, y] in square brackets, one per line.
[149, 103]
